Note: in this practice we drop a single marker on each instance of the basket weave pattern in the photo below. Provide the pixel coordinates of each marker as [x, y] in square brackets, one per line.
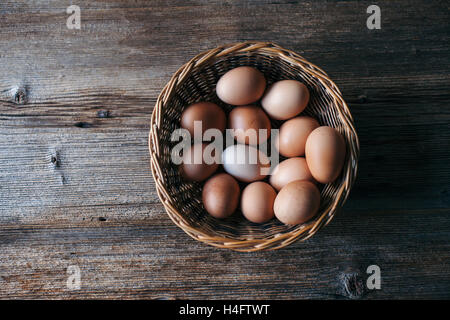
[195, 81]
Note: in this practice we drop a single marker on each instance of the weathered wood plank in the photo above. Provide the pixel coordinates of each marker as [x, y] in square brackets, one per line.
[403, 151]
[150, 258]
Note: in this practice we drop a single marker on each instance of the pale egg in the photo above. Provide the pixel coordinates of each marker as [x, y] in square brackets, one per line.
[245, 163]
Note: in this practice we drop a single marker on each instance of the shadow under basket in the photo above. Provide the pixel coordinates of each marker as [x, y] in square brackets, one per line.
[196, 81]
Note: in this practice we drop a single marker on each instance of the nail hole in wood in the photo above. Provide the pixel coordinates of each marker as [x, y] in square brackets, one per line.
[55, 160]
[83, 125]
[103, 114]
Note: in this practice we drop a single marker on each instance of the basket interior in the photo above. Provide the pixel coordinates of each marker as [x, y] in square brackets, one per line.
[200, 86]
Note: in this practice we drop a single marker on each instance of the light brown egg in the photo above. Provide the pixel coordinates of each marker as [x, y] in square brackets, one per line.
[285, 99]
[290, 170]
[220, 195]
[210, 114]
[297, 202]
[325, 154]
[257, 202]
[241, 86]
[246, 121]
[293, 134]
[194, 166]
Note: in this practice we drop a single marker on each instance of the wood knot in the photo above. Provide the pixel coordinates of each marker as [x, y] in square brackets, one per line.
[20, 95]
[352, 285]
[55, 162]
[363, 99]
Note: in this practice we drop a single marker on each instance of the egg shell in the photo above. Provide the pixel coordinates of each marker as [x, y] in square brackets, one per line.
[245, 163]
[297, 202]
[210, 114]
[285, 99]
[325, 154]
[257, 202]
[293, 135]
[289, 170]
[246, 121]
[220, 195]
[241, 86]
[194, 167]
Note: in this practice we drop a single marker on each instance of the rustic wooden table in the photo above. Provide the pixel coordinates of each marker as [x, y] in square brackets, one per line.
[75, 184]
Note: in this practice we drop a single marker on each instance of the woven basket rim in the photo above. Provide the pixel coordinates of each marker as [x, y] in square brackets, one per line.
[280, 240]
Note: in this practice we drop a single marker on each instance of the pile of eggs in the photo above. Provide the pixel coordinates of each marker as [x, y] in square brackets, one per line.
[315, 154]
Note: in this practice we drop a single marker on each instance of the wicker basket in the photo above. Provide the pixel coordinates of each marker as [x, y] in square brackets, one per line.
[196, 81]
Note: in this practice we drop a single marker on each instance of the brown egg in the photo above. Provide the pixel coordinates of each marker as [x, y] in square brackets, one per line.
[293, 134]
[194, 166]
[325, 154]
[220, 195]
[290, 170]
[257, 202]
[247, 121]
[210, 114]
[241, 86]
[285, 99]
[297, 202]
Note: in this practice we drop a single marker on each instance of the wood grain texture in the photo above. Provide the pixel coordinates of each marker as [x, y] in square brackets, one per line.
[75, 184]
